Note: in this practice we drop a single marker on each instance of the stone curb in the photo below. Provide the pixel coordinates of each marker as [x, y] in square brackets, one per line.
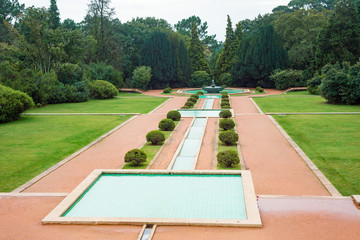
[316, 113]
[257, 107]
[59, 164]
[160, 105]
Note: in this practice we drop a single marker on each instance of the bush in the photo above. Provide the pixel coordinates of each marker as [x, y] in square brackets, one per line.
[155, 137]
[195, 96]
[78, 92]
[224, 96]
[102, 90]
[229, 137]
[173, 115]
[288, 78]
[223, 104]
[96, 71]
[185, 107]
[135, 157]
[192, 99]
[166, 125]
[225, 100]
[69, 73]
[200, 93]
[167, 90]
[228, 158]
[199, 79]
[313, 85]
[189, 104]
[223, 93]
[141, 77]
[225, 114]
[227, 124]
[259, 89]
[226, 79]
[12, 103]
[227, 106]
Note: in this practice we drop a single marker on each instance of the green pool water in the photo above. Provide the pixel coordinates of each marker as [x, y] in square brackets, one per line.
[194, 91]
[163, 196]
[200, 113]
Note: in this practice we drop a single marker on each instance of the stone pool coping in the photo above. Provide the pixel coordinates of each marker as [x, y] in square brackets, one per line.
[252, 210]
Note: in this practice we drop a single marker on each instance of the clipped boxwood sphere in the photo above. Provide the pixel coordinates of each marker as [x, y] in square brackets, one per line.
[228, 158]
[185, 107]
[192, 99]
[195, 96]
[167, 90]
[166, 125]
[222, 104]
[224, 96]
[229, 137]
[226, 106]
[225, 114]
[225, 100]
[155, 137]
[189, 104]
[200, 93]
[227, 124]
[135, 157]
[101, 89]
[173, 115]
[224, 93]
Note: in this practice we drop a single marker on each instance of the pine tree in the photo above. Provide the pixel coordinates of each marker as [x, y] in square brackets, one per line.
[237, 36]
[158, 55]
[196, 52]
[223, 63]
[339, 41]
[54, 15]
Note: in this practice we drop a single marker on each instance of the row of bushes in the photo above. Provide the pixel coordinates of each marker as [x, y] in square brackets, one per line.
[136, 156]
[225, 101]
[288, 78]
[191, 101]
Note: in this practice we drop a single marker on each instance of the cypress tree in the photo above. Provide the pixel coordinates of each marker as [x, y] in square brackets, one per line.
[238, 36]
[54, 15]
[339, 41]
[223, 64]
[159, 55]
[196, 52]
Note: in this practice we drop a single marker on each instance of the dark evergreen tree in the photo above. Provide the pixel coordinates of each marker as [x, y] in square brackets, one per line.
[159, 55]
[257, 57]
[340, 40]
[196, 52]
[54, 17]
[183, 66]
[238, 35]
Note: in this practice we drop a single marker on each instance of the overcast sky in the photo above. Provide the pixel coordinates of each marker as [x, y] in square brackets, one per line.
[212, 11]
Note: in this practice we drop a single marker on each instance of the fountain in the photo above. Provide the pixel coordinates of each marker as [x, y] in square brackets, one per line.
[213, 88]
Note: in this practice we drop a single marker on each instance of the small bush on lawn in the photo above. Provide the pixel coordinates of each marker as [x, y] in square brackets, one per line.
[102, 90]
[189, 104]
[225, 100]
[155, 137]
[228, 158]
[135, 157]
[12, 103]
[199, 93]
[229, 137]
[225, 114]
[227, 124]
[259, 89]
[192, 99]
[223, 104]
[224, 93]
[226, 107]
[185, 107]
[167, 90]
[195, 96]
[224, 96]
[173, 115]
[166, 125]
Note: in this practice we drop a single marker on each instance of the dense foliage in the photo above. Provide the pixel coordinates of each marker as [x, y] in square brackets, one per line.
[227, 124]
[173, 115]
[101, 89]
[288, 78]
[135, 157]
[199, 79]
[167, 124]
[225, 114]
[228, 158]
[155, 137]
[141, 77]
[228, 137]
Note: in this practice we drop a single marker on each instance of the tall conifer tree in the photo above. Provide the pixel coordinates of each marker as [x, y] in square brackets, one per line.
[237, 36]
[54, 15]
[196, 52]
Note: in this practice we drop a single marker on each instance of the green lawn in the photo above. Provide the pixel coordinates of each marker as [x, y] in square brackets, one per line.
[136, 95]
[114, 105]
[332, 142]
[299, 93]
[291, 104]
[150, 150]
[34, 143]
[223, 147]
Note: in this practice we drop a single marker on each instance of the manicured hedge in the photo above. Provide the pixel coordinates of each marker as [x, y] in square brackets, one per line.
[173, 115]
[225, 114]
[227, 124]
[228, 158]
[155, 137]
[102, 89]
[135, 157]
[229, 137]
[166, 125]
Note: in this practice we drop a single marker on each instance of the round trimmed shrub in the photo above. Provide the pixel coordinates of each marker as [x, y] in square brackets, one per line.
[225, 100]
[173, 115]
[224, 93]
[195, 96]
[12, 103]
[101, 89]
[225, 114]
[223, 104]
[155, 137]
[227, 124]
[226, 107]
[259, 89]
[185, 107]
[135, 157]
[200, 93]
[229, 137]
[228, 158]
[167, 90]
[189, 104]
[166, 125]
[192, 99]
[224, 96]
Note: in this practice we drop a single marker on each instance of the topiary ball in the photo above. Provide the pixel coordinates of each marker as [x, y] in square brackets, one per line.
[229, 137]
[185, 107]
[224, 103]
[225, 100]
[227, 124]
[135, 157]
[173, 115]
[167, 90]
[189, 104]
[195, 96]
[226, 106]
[200, 93]
[228, 158]
[166, 125]
[192, 99]
[224, 93]
[224, 96]
[155, 137]
[225, 114]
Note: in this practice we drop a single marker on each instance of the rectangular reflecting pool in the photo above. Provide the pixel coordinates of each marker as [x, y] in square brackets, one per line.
[200, 113]
[161, 197]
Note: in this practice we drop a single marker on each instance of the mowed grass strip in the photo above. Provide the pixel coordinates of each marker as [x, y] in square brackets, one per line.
[332, 143]
[294, 104]
[114, 105]
[32, 144]
[150, 150]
